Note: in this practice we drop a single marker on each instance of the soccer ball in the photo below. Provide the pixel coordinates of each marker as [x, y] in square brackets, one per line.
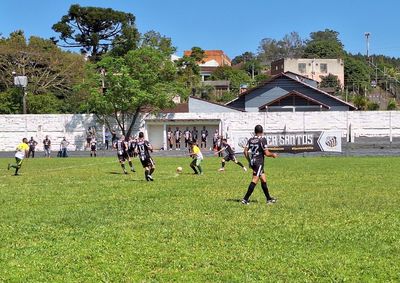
[179, 169]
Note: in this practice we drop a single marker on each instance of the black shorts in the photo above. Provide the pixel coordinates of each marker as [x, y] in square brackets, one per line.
[230, 157]
[258, 167]
[88, 140]
[130, 153]
[178, 141]
[148, 162]
[93, 148]
[204, 139]
[123, 157]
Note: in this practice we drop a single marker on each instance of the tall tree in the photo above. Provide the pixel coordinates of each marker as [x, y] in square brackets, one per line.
[95, 30]
[156, 40]
[324, 44]
[248, 62]
[291, 45]
[189, 70]
[50, 70]
[144, 77]
[236, 77]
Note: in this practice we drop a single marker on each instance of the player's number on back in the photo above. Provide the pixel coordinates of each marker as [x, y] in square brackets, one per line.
[254, 149]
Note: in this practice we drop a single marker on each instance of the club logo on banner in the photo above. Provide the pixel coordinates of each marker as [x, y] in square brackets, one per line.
[298, 142]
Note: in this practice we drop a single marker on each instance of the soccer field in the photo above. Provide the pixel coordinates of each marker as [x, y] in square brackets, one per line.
[81, 220]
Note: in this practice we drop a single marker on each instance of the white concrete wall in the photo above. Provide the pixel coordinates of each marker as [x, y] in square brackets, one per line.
[370, 123]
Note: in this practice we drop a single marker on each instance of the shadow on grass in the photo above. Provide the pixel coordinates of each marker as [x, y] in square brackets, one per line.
[239, 200]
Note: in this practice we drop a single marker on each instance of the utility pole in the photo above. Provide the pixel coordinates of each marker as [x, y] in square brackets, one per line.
[367, 34]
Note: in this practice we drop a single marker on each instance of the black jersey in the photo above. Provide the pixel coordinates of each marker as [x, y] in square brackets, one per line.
[187, 134]
[132, 145]
[204, 134]
[143, 148]
[195, 134]
[121, 147]
[178, 134]
[228, 149]
[256, 146]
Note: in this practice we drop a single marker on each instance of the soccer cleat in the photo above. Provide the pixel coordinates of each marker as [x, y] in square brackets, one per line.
[8, 166]
[244, 169]
[133, 169]
[125, 172]
[150, 178]
[245, 202]
[272, 200]
[221, 169]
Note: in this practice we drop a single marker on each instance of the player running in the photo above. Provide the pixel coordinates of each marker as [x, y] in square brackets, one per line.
[255, 151]
[230, 155]
[197, 158]
[21, 152]
[121, 146]
[131, 152]
[143, 149]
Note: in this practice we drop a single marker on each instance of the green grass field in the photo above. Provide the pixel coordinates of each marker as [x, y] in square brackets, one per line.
[80, 220]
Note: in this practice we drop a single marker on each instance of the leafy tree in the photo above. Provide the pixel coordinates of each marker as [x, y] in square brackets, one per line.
[189, 70]
[330, 81]
[361, 102]
[46, 103]
[356, 74]
[372, 106]
[144, 77]
[10, 101]
[156, 40]
[248, 62]
[291, 45]
[48, 68]
[95, 30]
[324, 44]
[236, 77]
[392, 105]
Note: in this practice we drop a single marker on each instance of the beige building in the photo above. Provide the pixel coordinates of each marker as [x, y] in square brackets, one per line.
[311, 68]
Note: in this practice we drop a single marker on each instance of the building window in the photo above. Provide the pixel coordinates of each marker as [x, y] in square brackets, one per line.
[323, 68]
[302, 68]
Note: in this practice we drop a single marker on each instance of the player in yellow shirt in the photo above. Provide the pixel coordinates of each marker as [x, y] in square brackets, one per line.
[197, 158]
[21, 152]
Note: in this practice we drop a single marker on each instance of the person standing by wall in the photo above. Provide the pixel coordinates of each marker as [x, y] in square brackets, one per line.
[204, 135]
[107, 138]
[170, 134]
[47, 147]
[32, 147]
[64, 147]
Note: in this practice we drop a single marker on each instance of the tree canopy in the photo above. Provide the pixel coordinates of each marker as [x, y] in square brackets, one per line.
[143, 78]
[96, 30]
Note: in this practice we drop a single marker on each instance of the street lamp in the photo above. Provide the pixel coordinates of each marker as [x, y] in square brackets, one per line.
[21, 82]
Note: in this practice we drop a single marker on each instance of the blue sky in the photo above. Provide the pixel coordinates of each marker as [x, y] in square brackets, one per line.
[233, 26]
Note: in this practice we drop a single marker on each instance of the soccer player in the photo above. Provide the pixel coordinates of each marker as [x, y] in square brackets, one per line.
[230, 155]
[131, 152]
[195, 134]
[187, 134]
[21, 152]
[204, 135]
[143, 148]
[215, 139]
[255, 151]
[197, 158]
[32, 147]
[170, 134]
[122, 152]
[93, 147]
[47, 147]
[178, 134]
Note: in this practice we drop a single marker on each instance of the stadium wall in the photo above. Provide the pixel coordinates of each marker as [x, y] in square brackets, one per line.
[73, 126]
